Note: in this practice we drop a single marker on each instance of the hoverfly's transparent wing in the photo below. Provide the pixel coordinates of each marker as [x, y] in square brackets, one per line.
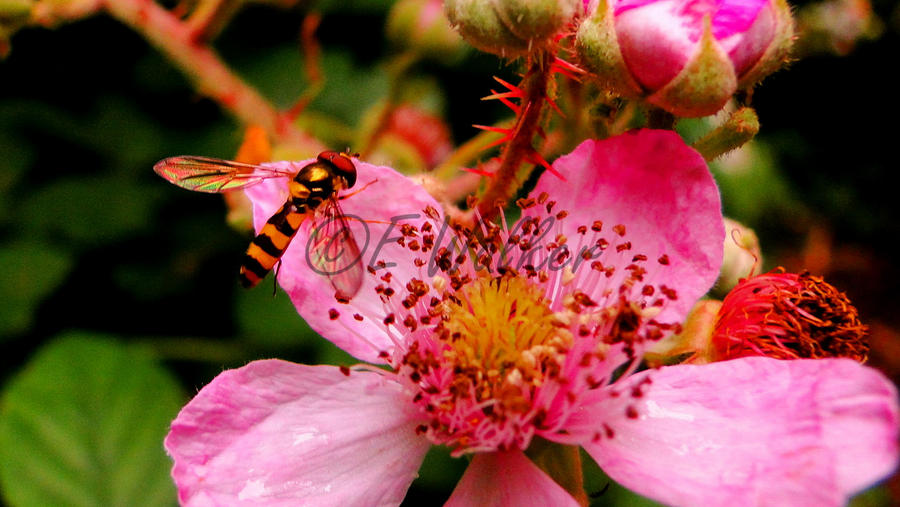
[332, 250]
[205, 174]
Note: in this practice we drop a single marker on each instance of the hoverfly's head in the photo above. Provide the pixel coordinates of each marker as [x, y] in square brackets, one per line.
[343, 164]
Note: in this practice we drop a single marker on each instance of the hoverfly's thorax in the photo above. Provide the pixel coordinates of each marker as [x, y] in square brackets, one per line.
[312, 185]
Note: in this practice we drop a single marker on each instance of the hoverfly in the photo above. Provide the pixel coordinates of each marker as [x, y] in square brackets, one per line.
[313, 193]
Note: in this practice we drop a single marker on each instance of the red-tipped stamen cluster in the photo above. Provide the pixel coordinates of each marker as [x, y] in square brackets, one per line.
[788, 316]
[512, 326]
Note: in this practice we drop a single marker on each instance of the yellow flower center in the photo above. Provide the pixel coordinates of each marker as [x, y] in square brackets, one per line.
[503, 339]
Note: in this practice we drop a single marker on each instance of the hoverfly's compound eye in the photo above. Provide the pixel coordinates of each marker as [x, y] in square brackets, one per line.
[343, 163]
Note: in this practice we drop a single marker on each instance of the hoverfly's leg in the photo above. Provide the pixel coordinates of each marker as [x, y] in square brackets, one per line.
[275, 278]
[342, 197]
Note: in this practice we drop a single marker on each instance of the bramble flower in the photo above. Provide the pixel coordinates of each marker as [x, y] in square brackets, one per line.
[509, 333]
[685, 56]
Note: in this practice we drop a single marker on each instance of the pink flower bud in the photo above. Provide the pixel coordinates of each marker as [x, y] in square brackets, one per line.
[685, 56]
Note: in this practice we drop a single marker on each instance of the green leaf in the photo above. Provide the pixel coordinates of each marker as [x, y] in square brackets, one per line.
[83, 424]
[31, 272]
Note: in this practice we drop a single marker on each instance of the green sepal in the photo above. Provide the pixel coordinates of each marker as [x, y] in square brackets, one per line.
[598, 51]
[777, 54]
[740, 127]
[705, 83]
[562, 463]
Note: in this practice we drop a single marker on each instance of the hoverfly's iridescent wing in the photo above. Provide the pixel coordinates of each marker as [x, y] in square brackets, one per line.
[332, 250]
[214, 175]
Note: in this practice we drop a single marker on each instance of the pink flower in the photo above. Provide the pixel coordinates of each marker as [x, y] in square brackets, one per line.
[484, 361]
[686, 56]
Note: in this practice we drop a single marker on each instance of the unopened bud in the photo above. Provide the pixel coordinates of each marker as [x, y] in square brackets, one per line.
[684, 56]
[510, 28]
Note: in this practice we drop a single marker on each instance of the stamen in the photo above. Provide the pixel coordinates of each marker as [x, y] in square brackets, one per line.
[789, 316]
[512, 326]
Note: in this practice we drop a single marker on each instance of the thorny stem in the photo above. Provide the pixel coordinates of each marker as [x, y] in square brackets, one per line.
[204, 67]
[503, 185]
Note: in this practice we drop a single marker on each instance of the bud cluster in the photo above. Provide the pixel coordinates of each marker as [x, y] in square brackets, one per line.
[687, 57]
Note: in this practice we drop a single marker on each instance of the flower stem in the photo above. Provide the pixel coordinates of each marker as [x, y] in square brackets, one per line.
[503, 185]
[205, 69]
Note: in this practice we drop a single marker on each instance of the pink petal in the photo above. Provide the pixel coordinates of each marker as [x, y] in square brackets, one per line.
[662, 191]
[280, 433]
[754, 431]
[746, 47]
[655, 43]
[388, 195]
[508, 478]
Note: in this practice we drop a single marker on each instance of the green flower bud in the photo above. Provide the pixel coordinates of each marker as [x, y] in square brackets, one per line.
[510, 28]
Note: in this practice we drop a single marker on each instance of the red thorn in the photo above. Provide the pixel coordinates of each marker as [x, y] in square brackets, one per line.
[499, 130]
[535, 158]
[511, 87]
[554, 106]
[567, 69]
[502, 97]
[479, 170]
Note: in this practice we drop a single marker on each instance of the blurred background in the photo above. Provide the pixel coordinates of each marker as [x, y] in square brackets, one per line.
[118, 293]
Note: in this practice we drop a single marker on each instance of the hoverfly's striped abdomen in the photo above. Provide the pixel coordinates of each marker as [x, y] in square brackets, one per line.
[268, 246]
[312, 185]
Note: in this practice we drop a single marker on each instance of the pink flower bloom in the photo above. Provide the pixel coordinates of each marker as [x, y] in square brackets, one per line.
[484, 360]
[686, 56]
